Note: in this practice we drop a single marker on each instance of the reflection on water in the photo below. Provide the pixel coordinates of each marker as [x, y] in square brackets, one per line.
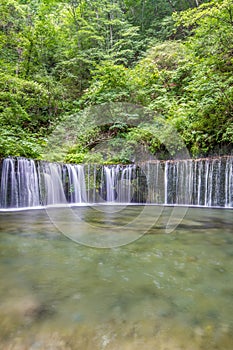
[164, 291]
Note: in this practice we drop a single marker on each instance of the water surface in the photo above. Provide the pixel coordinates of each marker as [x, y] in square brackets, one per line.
[164, 291]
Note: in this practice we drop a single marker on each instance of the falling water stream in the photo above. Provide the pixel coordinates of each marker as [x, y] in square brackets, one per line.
[202, 182]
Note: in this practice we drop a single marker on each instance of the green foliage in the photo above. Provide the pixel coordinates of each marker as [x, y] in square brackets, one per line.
[59, 58]
[16, 142]
[75, 158]
[28, 104]
[26, 108]
[154, 17]
[109, 84]
[96, 31]
[208, 90]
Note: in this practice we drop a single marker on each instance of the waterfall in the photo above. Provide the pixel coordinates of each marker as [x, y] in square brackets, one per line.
[19, 184]
[116, 183]
[199, 182]
[52, 190]
[110, 175]
[77, 186]
[9, 185]
[28, 186]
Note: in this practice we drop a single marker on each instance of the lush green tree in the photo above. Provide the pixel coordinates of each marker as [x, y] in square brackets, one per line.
[58, 57]
[96, 32]
[154, 16]
[188, 84]
[208, 92]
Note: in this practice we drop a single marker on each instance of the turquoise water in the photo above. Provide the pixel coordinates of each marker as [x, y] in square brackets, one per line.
[164, 291]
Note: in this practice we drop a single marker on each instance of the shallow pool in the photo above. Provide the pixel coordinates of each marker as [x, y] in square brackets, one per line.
[163, 291]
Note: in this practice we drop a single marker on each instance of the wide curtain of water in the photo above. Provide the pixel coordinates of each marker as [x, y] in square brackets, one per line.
[200, 182]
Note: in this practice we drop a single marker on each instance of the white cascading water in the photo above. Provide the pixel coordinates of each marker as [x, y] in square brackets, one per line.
[52, 191]
[166, 183]
[9, 185]
[117, 183]
[19, 184]
[77, 186]
[228, 188]
[124, 187]
[110, 176]
[28, 185]
[90, 175]
[201, 182]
